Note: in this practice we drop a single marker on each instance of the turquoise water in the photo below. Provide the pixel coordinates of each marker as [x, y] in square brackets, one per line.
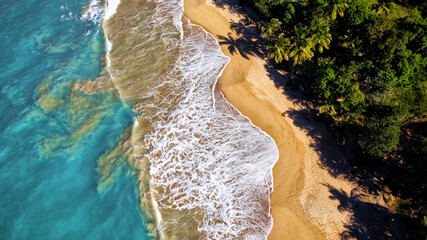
[51, 136]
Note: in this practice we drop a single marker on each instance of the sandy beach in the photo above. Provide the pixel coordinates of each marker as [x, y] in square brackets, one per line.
[302, 204]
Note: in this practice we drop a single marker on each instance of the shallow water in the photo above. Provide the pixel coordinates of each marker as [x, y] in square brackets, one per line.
[85, 148]
[52, 136]
[205, 170]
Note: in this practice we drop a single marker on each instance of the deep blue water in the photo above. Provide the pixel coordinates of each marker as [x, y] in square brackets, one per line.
[50, 184]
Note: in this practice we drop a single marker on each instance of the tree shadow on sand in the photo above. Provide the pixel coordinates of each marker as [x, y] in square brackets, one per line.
[239, 7]
[287, 82]
[367, 220]
[247, 41]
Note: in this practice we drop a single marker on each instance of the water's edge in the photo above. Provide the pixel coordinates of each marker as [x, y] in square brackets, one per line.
[111, 9]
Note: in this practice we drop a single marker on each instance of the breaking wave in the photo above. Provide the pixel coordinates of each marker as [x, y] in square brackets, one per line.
[205, 170]
[94, 11]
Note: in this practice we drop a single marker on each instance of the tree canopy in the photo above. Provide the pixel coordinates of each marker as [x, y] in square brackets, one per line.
[365, 63]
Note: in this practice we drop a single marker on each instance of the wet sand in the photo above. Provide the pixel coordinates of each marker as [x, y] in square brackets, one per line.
[301, 203]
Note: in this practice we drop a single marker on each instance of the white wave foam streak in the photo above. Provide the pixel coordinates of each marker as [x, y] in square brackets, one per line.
[93, 12]
[215, 163]
[109, 46]
[209, 167]
[111, 8]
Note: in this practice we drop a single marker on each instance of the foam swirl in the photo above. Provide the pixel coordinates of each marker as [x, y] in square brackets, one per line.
[206, 170]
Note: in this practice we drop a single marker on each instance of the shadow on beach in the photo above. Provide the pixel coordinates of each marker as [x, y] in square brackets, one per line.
[368, 220]
[246, 43]
[239, 7]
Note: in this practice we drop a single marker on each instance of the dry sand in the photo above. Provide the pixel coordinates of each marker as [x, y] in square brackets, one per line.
[302, 205]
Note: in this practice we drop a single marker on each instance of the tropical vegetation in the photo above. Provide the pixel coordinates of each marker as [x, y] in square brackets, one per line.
[363, 63]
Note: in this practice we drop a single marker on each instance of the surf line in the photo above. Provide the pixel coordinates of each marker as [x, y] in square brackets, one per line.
[111, 9]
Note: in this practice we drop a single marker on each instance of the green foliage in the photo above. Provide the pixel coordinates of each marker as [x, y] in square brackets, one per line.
[360, 55]
[279, 50]
[382, 7]
[327, 109]
[365, 63]
[271, 29]
[337, 7]
[301, 53]
[289, 13]
[359, 12]
[266, 6]
[337, 88]
[381, 136]
[321, 39]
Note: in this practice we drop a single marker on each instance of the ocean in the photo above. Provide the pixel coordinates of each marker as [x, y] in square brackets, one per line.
[113, 126]
[52, 136]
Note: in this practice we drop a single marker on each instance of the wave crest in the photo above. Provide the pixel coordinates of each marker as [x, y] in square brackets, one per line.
[209, 168]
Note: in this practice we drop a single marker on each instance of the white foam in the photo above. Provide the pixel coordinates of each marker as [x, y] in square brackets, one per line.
[109, 46]
[67, 17]
[93, 12]
[157, 214]
[111, 8]
[109, 12]
[205, 157]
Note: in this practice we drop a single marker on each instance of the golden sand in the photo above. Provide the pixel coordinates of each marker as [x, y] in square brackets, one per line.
[301, 205]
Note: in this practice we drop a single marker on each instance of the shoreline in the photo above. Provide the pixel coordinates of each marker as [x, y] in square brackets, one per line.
[301, 202]
[154, 190]
[245, 93]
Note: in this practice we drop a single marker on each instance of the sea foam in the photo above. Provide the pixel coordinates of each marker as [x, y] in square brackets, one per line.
[93, 12]
[111, 8]
[206, 160]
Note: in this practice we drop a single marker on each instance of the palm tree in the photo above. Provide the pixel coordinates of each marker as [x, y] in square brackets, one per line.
[279, 50]
[322, 39]
[338, 7]
[327, 108]
[277, 53]
[270, 30]
[302, 53]
[382, 8]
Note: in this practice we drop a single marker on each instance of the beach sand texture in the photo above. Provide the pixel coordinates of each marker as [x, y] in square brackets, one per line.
[301, 202]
